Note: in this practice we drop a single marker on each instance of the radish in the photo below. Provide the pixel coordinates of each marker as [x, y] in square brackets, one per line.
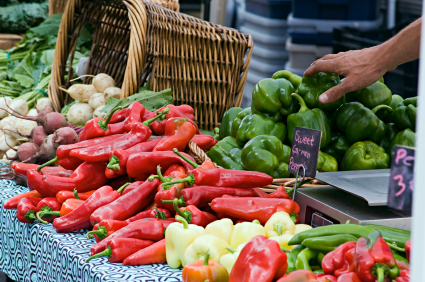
[37, 135]
[97, 100]
[19, 106]
[79, 114]
[102, 81]
[112, 92]
[47, 150]
[27, 151]
[4, 101]
[24, 126]
[80, 92]
[32, 113]
[45, 111]
[64, 136]
[97, 112]
[42, 103]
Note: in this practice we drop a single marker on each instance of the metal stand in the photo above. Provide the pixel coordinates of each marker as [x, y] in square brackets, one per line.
[296, 180]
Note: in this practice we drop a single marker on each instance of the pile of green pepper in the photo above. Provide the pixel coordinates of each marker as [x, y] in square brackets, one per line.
[359, 130]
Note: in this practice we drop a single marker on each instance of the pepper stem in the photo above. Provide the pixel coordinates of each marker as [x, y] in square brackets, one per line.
[160, 176]
[76, 194]
[186, 214]
[279, 229]
[256, 221]
[182, 220]
[380, 107]
[165, 112]
[192, 163]
[284, 249]
[160, 214]
[207, 258]
[397, 248]
[114, 163]
[107, 252]
[41, 214]
[104, 123]
[380, 271]
[30, 215]
[122, 187]
[52, 161]
[231, 250]
[180, 201]
[100, 232]
[303, 107]
[190, 180]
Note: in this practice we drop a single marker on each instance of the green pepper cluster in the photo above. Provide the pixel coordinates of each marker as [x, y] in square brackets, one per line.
[359, 130]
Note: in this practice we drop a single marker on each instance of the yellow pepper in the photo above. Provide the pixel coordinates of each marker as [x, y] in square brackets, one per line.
[228, 260]
[283, 241]
[278, 224]
[178, 237]
[301, 227]
[221, 228]
[198, 249]
[245, 231]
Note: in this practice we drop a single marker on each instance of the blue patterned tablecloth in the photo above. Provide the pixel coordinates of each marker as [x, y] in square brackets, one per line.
[35, 252]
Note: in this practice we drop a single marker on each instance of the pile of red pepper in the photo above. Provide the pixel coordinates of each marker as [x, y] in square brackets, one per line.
[128, 185]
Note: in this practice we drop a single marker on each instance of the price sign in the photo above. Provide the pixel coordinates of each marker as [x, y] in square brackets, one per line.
[401, 179]
[305, 150]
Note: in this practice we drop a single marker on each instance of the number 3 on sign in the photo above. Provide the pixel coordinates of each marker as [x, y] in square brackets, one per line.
[400, 183]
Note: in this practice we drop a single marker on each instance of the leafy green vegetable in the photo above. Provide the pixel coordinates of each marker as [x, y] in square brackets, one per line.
[150, 99]
[23, 72]
[20, 17]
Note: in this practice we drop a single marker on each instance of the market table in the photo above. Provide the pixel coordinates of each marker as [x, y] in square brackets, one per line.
[36, 252]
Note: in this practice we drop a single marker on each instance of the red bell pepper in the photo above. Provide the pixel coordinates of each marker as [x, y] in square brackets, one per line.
[404, 276]
[133, 115]
[153, 213]
[69, 206]
[150, 255]
[87, 177]
[374, 260]
[184, 111]
[105, 228]
[80, 218]
[47, 205]
[21, 169]
[12, 203]
[349, 277]
[343, 258]
[407, 247]
[120, 248]
[205, 142]
[62, 196]
[127, 205]
[141, 229]
[179, 141]
[260, 260]
[327, 263]
[299, 275]
[99, 127]
[193, 215]
[254, 208]
[118, 116]
[326, 278]
[141, 165]
[118, 159]
[26, 209]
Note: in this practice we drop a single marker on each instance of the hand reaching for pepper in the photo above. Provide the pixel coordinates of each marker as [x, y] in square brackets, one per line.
[362, 68]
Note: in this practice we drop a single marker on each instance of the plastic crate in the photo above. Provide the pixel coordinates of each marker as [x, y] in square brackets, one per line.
[319, 32]
[265, 41]
[275, 9]
[265, 26]
[403, 80]
[264, 69]
[360, 10]
[299, 72]
[301, 56]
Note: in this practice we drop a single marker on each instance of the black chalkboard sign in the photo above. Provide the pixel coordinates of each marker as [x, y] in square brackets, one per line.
[305, 151]
[401, 180]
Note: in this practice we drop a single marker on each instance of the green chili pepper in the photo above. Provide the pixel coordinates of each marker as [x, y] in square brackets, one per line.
[292, 257]
[305, 257]
[328, 243]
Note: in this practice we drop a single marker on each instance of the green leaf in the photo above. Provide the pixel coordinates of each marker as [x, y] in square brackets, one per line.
[21, 17]
[65, 109]
[23, 72]
[150, 99]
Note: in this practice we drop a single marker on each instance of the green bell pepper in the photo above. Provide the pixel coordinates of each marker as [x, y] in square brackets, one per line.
[360, 123]
[371, 96]
[306, 258]
[312, 87]
[405, 138]
[313, 119]
[337, 147]
[395, 101]
[332, 120]
[293, 78]
[365, 155]
[226, 122]
[267, 154]
[238, 119]
[272, 98]
[326, 163]
[227, 153]
[390, 132]
[254, 125]
[404, 116]
[292, 257]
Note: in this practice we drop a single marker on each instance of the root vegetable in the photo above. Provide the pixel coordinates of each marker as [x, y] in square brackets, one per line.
[27, 152]
[9, 156]
[47, 150]
[37, 135]
[10, 120]
[7, 142]
[4, 102]
[64, 136]
[32, 113]
[44, 112]
[19, 106]
[102, 81]
[112, 92]
[97, 100]
[79, 114]
[81, 92]
[43, 103]
[24, 126]
[98, 113]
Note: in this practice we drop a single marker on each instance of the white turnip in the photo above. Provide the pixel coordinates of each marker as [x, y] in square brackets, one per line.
[112, 92]
[97, 100]
[102, 81]
[32, 113]
[4, 101]
[79, 114]
[98, 113]
[23, 126]
[6, 142]
[10, 120]
[27, 152]
[64, 136]
[80, 92]
[42, 103]
[19, 106]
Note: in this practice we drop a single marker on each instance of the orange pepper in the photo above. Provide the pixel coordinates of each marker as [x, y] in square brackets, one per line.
[203, 270]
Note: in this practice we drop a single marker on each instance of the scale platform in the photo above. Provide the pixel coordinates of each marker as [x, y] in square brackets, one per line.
[327, 205]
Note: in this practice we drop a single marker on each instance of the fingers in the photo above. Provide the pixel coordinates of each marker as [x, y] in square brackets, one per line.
[321, 66]
[337, 92]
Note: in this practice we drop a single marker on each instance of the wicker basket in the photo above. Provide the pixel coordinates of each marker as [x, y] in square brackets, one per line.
[205, 64]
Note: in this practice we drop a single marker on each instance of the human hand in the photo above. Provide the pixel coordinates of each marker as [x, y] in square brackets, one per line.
[360, 68]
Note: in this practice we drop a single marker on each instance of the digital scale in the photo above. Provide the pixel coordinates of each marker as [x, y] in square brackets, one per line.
[358, 196]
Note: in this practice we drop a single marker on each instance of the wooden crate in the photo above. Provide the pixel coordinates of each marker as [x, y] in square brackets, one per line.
[8, 41]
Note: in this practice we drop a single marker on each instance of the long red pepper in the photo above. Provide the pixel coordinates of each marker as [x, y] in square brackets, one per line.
[99, 127]
[193, 215]
[88, 176]
[62, 196]
[12, 203]
[349, 277]
[131, 187]
[21, 170]
[80, 218]
[127, 205]
[48, 204]
[205, 142]
[118, 116]
[105, 228]
[120, 248]
[254, 208]
[118, 159]
[153, 213]
[133, 115]
[69, 206]
[140, 132]
[206, 165]
[179, 141]
[343, 258]
[141, 165]
[151, 255]
[327, 263]
[141, 229]
[26, 209]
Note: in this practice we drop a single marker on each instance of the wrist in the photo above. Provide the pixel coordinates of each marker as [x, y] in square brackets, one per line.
[386, 57]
